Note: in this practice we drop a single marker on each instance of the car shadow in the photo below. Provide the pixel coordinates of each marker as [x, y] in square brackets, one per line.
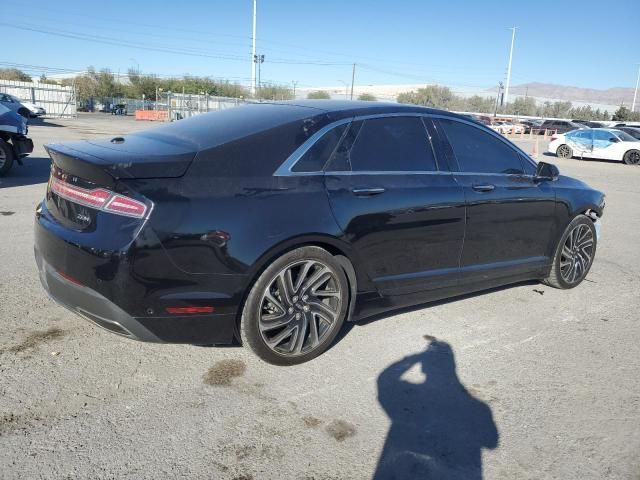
[43, 122]
[363, 321]
[34, 170]
[438, 428]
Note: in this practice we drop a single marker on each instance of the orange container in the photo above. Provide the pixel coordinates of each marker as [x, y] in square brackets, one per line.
[152, 115]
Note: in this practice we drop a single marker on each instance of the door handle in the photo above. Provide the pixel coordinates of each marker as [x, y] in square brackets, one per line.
[483, 187]
[367, 191]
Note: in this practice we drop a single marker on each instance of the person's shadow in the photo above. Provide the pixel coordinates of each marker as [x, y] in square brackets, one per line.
[438, 429]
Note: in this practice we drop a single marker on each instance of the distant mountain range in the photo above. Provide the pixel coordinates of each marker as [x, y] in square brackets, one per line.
[611, 96]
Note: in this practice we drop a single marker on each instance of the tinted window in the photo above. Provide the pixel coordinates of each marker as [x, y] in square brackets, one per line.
[316, 157]
[479, 151]
[392, 144]
[340, 161]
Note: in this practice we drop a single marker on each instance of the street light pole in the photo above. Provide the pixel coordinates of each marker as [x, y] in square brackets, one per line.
[253, 50]
[513, 39]
[635, 93]
[294, 82]
[259, 59]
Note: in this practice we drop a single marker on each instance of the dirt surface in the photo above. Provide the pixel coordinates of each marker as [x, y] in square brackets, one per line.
[524, 382]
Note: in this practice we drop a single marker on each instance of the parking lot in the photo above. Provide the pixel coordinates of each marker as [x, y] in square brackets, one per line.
[541, 383]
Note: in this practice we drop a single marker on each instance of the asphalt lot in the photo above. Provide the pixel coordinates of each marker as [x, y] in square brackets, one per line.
[537, 383]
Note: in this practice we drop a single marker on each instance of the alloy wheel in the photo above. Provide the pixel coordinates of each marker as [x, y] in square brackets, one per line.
[300, 307]
[577, 254]
[633, 158]
[564, 151]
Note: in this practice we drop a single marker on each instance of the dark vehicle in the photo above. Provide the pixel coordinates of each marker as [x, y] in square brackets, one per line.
[14, 144]
[559, 126]
[272, 224]
[589, 123]
[531, 124]
[633, 131]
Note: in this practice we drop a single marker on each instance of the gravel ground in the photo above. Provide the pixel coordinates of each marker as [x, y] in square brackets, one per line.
[533, 382]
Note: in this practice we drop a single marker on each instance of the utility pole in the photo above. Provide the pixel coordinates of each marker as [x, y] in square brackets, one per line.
[635, 93]
[513, 39]
[353, 79]
[495, 110]
[253, 51]
[294, 82]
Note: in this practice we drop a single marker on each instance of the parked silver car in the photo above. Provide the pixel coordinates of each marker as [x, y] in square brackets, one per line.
[23, 108]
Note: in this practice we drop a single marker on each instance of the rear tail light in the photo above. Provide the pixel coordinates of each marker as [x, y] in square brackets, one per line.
[99, 198]
[126, 206]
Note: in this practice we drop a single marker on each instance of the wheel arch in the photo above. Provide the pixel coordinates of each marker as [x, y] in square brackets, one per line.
[340, 249]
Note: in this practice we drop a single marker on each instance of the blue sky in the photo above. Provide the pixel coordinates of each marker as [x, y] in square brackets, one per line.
[393, 42]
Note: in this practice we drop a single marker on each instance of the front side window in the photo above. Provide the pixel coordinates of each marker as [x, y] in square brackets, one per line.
[479, 151]
[392, 144]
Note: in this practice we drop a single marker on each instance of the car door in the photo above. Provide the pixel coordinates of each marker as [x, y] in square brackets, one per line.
[581, 142]
[510, 216]
[605, 145]
[399, 207]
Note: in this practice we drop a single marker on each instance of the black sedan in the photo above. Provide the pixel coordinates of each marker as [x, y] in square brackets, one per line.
[272, 224]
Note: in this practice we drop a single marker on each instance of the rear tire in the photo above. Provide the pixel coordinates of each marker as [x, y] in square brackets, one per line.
[632, 157]
[574, 254]
[296, 307]
[6, 157]
[564, 151]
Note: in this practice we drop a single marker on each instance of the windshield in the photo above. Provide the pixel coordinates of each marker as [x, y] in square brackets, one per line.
[624, 136]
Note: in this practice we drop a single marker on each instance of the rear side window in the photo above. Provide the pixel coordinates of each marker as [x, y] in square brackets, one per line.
[320, 152]
[479, 151]
[398, 144]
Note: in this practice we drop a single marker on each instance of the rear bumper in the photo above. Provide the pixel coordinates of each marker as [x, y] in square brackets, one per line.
[90, 305]
[22, 145]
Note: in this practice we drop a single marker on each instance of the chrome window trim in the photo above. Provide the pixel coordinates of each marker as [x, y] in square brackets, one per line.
[285, 170]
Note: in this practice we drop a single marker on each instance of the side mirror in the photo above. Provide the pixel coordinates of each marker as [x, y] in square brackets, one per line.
[614, 140]
[547, 171]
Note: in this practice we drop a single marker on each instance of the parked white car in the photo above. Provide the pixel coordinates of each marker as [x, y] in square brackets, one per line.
[603, 143]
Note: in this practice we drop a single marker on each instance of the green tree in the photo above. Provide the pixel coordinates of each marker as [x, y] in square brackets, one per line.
[430, 96]
[14, 74]
[623, 114]
[275, 92]
[319, 95]
[521, 106]
[45, 80]
[368, 97]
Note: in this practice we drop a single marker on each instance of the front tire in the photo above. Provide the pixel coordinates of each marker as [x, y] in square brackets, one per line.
[632, 157]
[574, 254]
[6, 157]
[296, 307]
[564, 151]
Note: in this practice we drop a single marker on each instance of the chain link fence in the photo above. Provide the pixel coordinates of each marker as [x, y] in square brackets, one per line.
[178, 105]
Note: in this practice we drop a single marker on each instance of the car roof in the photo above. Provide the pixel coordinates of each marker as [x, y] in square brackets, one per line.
[216, 128]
